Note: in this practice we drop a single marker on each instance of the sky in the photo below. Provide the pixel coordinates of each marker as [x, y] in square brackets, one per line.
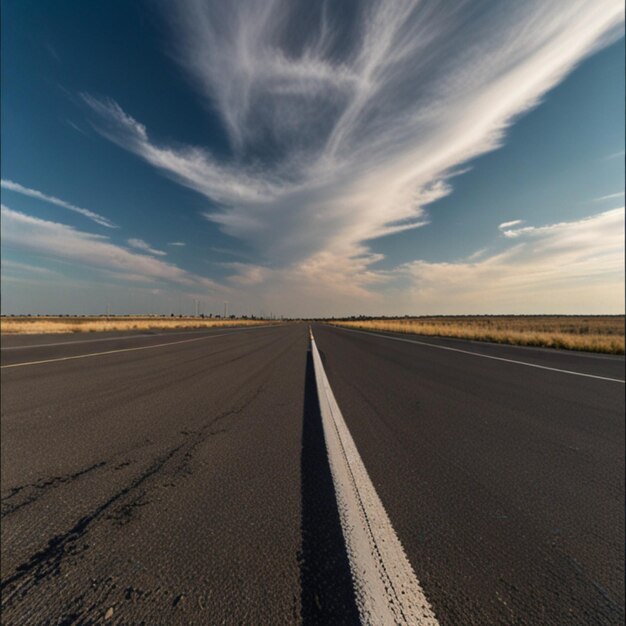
[396, 157]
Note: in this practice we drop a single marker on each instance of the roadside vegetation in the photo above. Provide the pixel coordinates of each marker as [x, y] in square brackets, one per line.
[68, 324]
[588, 333]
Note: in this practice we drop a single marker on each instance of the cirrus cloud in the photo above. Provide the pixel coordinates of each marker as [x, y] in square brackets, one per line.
[403, 107]
[33, 193]
[343, 130]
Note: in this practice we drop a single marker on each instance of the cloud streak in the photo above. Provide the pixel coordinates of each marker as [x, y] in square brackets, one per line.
[33, 193]
[140, 244]
[59, 241]
[507, 225]
[610, 196]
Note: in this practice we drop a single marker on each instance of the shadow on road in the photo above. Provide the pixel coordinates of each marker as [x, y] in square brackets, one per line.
[327, 593]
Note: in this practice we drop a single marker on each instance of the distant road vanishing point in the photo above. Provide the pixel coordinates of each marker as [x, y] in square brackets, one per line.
[287, 474]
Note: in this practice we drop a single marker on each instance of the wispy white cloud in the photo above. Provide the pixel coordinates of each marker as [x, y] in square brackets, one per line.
[76, 127]
[190, 165]
[178, 244]
[140, 244]
[366, 119]
[570, 266]
[33, 193]
[507, 225]
[611, 196]
[59, 241]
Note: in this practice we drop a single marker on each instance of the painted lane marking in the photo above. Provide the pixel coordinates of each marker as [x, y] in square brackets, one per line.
[158, 345]
[386, 588]
[484, 356]
[119, 338]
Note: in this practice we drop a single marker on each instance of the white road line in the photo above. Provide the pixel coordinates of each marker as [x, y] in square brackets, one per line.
[119, 337]
[484, 356]
[386, 588]
[158, 345]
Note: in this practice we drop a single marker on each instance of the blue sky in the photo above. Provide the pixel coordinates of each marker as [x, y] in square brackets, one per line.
[329, 159]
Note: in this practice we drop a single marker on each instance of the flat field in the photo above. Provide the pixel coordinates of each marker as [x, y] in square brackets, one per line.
[601, 333]
[31, 325]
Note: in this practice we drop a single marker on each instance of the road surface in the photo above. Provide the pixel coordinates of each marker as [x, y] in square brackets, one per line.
[180, 478]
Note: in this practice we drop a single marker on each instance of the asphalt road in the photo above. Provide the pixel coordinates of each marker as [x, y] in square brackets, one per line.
[189, 482]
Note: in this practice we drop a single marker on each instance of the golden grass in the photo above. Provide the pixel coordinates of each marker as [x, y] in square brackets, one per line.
[32, 325]
[588, 333]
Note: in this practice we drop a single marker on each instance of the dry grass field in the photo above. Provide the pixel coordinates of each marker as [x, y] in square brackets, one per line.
[31, 325]
[588, 333]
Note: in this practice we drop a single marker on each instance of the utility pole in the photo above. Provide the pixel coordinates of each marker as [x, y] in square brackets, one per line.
[225, 308]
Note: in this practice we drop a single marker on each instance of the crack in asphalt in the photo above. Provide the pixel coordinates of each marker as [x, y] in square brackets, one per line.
[41, 488]
[64, 551]
[47, 561]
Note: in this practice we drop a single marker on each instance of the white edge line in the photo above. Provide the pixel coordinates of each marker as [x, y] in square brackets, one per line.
[158, 345]
[387, 591]
[484, 356]
[196, 331]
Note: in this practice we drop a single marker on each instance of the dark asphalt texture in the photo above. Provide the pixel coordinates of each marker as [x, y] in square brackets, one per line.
[505, 483]
[189, 483]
